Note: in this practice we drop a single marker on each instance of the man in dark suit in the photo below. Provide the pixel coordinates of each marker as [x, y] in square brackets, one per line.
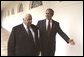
[48, 29]
[23, 40]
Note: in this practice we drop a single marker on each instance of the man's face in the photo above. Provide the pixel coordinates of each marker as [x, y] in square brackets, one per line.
[28, 20]
[49, 14]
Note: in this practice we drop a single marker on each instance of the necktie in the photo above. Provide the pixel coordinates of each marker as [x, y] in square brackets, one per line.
[30, 34]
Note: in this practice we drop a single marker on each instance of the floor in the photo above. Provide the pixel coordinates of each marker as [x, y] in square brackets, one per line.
[4, 40]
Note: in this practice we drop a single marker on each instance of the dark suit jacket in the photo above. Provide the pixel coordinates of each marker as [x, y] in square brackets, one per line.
[48, 43]
[19, 43]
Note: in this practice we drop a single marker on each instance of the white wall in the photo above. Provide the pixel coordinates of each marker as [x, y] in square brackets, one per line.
[70, 17]
[68, 13]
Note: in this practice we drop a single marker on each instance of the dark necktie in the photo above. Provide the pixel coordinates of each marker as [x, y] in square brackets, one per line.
[30, 34]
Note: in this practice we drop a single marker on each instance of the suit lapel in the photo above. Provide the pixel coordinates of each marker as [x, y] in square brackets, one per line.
[44, 24]
[53, 26]
[23, 29]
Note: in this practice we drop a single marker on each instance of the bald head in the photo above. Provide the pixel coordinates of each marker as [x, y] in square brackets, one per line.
[27, 19]
[28, 16]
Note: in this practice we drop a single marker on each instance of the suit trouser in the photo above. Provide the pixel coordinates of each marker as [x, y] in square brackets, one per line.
[48, 52]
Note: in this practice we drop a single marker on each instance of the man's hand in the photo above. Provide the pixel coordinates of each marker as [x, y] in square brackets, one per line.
[71, 42]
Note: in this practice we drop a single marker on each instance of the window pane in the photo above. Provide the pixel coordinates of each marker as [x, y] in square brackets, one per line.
[20, 7]
[12, 11]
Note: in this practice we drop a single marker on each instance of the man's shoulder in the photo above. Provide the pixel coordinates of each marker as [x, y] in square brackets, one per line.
[41, 20]
[34, 26]
[55, 21]
[45, 20]
[17, 26]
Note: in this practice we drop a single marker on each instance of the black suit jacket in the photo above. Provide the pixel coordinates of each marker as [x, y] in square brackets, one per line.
[48, 43]
[19, 43]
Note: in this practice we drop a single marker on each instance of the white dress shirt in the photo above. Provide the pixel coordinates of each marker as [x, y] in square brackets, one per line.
[33, 34]
[47, 23]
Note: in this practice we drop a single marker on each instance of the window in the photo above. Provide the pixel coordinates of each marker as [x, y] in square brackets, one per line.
[12, 11]
[8, 13]
[4, 13]
[20, 7]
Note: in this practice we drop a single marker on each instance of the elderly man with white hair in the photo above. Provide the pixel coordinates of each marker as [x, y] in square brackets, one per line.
[23, 40]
